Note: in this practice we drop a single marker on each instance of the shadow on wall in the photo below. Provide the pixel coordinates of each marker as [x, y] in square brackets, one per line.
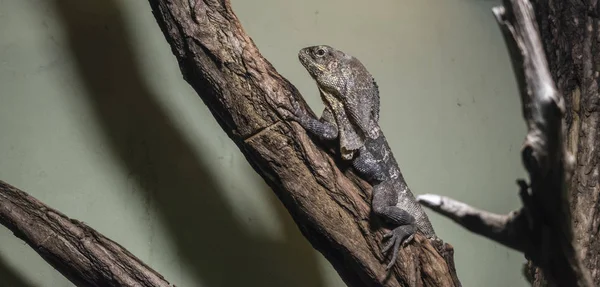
[211, 242]
[10, 277]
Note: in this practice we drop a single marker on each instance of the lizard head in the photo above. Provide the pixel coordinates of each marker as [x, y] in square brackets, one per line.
[348, 89]
[324, 64]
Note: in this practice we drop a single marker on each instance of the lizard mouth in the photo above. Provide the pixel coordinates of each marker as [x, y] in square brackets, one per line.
[304, 57]
[313, 68]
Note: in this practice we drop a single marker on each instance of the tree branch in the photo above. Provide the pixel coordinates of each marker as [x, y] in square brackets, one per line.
[496, 227]
[80, 253]
[541, 229]
[330, 206]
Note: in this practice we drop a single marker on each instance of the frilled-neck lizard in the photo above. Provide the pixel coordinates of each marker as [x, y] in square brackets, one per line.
[351, 115]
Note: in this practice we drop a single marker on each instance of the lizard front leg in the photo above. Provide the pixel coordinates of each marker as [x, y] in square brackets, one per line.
[384, 201]
[325, 128]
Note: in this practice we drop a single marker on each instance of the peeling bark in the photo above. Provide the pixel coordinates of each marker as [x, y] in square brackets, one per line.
[328, 202]
[80, 253]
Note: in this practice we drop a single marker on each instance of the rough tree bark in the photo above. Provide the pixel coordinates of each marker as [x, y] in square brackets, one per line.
[557, 227]
[331, 206]
[80, 253]
[571, 39]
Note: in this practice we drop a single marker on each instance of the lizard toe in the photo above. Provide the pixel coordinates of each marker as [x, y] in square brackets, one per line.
[400, 236]
[408, 240]
[387, 247]
[395, 255]
[291, 111]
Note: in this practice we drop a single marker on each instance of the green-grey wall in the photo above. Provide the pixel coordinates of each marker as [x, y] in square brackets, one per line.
[96, 121]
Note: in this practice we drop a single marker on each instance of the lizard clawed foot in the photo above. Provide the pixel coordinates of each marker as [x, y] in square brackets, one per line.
[290, 113]
[401, 235]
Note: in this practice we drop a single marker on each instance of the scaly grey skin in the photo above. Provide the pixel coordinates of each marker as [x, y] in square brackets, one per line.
[351, 116]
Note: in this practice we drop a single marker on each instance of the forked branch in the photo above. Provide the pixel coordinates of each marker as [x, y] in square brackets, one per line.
[541, 229]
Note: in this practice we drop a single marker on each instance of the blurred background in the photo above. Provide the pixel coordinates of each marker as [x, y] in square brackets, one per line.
[97, 122]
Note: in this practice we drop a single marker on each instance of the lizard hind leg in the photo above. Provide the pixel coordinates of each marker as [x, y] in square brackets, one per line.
[404, 223]
[385, 198]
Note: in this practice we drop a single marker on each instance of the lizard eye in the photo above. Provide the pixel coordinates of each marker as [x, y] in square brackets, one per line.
[320, 52]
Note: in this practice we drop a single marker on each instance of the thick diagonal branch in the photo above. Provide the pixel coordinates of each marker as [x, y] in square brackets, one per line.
[330, 206]
[542, 227]
[80, 253]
